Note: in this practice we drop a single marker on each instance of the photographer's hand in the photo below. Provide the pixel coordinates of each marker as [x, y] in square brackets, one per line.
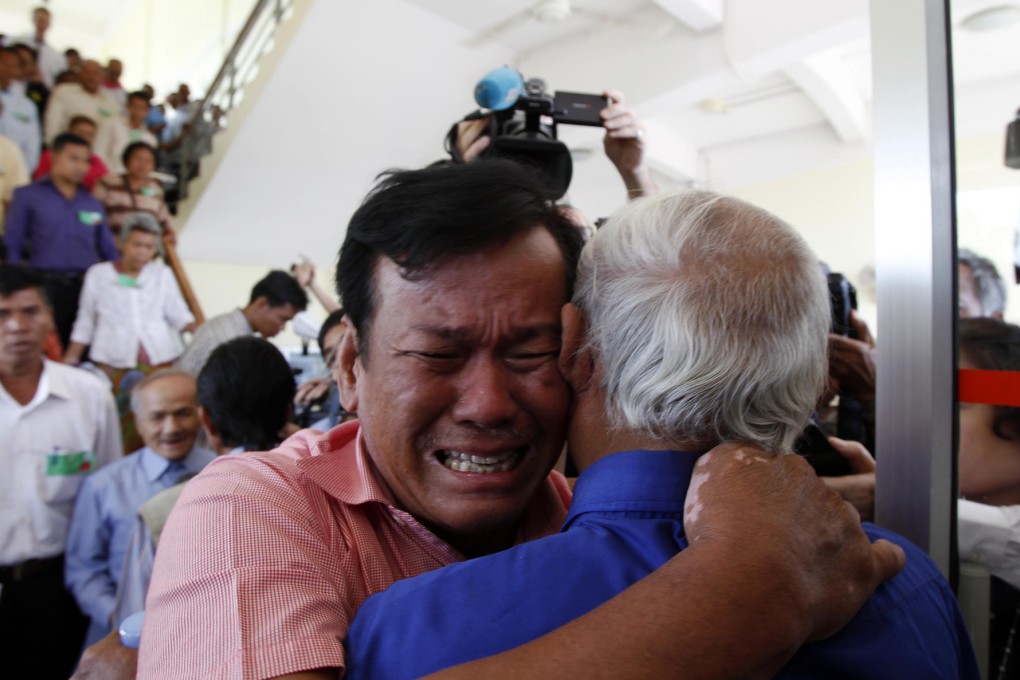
[852, 365]
[625, 145]
[470, 140]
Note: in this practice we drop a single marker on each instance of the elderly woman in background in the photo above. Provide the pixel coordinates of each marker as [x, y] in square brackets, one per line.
[131, 314]
[135, 191]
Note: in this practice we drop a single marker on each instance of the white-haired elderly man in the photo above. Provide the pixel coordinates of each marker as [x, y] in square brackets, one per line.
[684, 332]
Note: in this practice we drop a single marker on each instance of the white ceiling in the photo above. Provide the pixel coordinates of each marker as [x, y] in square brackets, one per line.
[704, 74]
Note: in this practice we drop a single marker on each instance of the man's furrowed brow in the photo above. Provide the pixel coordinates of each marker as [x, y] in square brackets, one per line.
[517, 333]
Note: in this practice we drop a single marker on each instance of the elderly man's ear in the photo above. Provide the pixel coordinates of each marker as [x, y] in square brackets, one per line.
[576, 362]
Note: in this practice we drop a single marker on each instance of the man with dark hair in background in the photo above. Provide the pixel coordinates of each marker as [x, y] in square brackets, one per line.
[318, 399]
[274, 301]
[453, 279]
[243, 409]
[58, 424]
[64, 228]
[114, 139]
[86, 128]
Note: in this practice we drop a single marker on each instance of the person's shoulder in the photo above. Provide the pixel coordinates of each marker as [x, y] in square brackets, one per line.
[63, 90]
[32, 189]
[100, 270]
[76, 381]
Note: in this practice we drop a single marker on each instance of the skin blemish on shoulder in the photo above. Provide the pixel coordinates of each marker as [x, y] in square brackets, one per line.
[693, 506]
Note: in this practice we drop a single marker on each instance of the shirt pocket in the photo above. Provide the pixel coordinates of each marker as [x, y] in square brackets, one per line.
[59, 473]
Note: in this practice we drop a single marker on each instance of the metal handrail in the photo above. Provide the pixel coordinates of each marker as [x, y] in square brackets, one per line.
[255, 35]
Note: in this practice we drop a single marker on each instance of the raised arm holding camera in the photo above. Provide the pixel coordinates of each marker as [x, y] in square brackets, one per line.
[500, 129]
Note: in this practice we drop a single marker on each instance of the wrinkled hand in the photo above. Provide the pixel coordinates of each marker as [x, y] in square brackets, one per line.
[107, 659]
[778, 516]
[857, 489]
[852, 366]
[470, 140]
[312, 390]
[304, 272]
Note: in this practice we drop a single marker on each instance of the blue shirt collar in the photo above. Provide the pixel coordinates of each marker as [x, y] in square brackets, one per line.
[636, 481]
[155, 465]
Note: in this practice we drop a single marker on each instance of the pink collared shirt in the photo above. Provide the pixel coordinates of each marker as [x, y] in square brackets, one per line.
[267, 556]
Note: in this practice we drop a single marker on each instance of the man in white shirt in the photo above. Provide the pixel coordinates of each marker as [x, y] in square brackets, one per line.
[85, 98]
[51, 62]
[58, 424]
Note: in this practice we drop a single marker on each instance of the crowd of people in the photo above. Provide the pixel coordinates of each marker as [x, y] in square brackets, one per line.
[401, 514]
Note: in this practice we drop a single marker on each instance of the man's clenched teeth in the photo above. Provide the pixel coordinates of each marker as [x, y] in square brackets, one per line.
[468, 462]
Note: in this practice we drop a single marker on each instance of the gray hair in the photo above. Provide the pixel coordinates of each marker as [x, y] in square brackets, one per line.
[709, 318]
[144, 383]
[991, 292]
[144, 222]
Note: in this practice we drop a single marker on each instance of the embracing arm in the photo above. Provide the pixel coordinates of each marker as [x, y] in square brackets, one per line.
[746, 571]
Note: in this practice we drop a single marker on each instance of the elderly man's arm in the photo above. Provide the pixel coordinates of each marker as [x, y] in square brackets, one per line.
[770, 548]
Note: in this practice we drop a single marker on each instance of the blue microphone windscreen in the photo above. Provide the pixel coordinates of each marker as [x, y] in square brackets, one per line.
[499, 89]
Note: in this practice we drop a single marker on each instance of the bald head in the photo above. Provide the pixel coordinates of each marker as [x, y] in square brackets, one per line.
[91, 75]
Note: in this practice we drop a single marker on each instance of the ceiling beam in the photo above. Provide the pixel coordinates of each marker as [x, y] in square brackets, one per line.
[825, 79]
[698, 15]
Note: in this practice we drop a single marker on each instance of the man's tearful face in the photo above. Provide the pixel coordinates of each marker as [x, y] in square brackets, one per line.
[458, 393]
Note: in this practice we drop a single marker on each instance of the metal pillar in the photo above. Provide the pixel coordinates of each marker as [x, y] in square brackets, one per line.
[915, 245]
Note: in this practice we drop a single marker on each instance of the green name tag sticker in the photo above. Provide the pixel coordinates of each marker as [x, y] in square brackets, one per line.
[89, 217]
[148, 191]
[104, 113]
[127, 281]
[61, 464]
[23, 118]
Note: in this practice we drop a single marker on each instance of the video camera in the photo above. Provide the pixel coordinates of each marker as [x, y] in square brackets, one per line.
[523, 123]
[843, 296]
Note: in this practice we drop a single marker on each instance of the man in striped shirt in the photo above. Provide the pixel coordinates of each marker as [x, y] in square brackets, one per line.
[274, 301]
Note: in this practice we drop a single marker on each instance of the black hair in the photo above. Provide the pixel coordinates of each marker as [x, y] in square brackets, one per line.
[131, 148]
[994, 345]
[28, 48]
[280, 288]
[5, 49]
[68, 139]
[15, 278]
[138, 94]
[247, 388]
[334, 319]
[418, 218]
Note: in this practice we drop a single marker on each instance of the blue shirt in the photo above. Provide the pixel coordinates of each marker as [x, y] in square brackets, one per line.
[103, 519]
[19, 121]
[64, 235]
[625, 521]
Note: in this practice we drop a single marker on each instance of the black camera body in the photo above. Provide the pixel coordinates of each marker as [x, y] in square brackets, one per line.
[843, 297]
[526, 132]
